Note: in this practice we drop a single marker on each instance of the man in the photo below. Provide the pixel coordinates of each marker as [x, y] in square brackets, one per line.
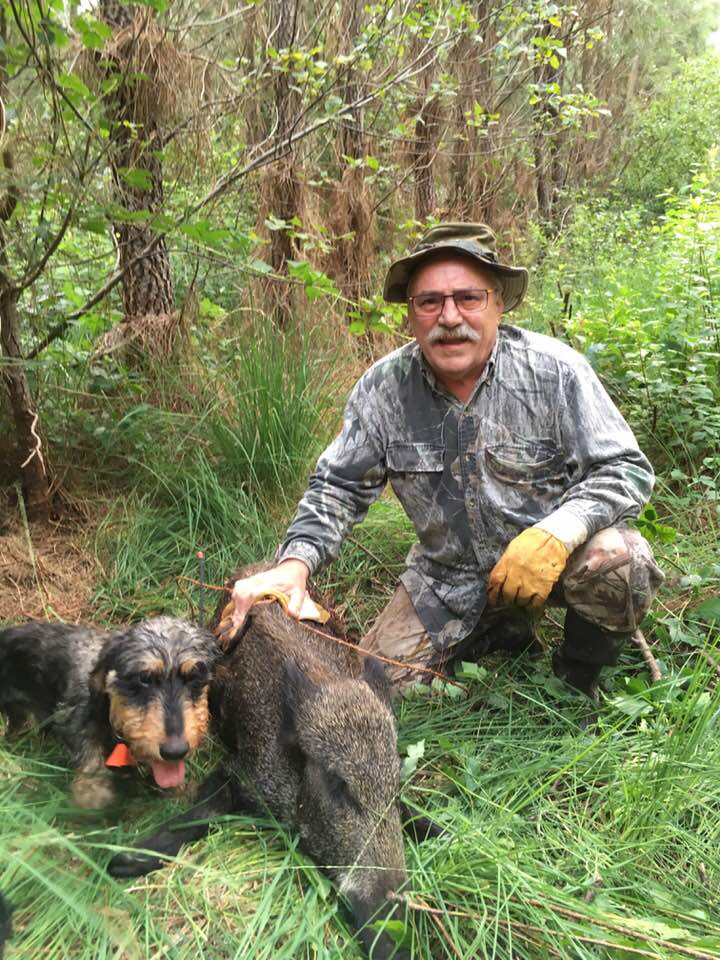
[514, 465]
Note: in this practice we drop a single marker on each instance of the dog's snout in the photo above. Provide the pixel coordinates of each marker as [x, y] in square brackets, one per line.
[174, 748]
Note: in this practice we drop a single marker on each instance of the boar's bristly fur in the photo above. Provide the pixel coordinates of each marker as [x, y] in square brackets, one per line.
[311, 737]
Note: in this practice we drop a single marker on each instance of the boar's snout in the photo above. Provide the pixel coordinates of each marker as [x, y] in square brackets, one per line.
[345, 743]
[369, 909]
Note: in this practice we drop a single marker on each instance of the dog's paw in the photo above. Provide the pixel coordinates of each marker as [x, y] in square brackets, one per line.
[92, 791]
[125, 865]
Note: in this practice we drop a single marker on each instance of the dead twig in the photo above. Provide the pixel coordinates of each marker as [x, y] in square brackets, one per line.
[353, 646]
[652, 664]
[625, 931]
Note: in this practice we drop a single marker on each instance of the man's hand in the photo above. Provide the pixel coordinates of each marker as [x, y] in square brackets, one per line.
[289, 577]
[528, 570]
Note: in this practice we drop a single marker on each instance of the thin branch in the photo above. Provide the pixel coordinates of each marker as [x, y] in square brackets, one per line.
[639, 640]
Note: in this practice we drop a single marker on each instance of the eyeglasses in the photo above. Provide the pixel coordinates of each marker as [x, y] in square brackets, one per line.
[467, 301]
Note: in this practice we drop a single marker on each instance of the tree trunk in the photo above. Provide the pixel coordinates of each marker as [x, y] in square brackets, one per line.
[427, 128]
[474, 178]
[352, 216]
[282, 188]
[33, 469]
[149, 315]
[549, 173]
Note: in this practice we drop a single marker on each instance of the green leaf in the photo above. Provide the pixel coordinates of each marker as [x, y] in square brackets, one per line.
[202, 231]
[470, 671]
[395, 929]
[159, 5]
[260, 266]
[123, 215]
[74, 85]
[709, 610]
[137, 177]
[415, 753]
[212, 310]
[632, 706]
[97, 225]
[93, 33]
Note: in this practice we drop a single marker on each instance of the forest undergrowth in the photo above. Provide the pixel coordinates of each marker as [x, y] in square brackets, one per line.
[562, 840]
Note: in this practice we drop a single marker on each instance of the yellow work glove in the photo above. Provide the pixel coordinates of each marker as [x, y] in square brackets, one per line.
[528, 570]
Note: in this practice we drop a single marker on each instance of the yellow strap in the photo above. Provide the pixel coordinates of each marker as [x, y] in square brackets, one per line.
[309, 610]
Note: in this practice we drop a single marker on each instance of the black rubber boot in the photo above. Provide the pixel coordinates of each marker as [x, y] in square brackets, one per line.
[585, 650]
[509, 630]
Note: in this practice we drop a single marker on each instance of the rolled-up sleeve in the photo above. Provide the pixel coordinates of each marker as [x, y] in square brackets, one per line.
[350, 475]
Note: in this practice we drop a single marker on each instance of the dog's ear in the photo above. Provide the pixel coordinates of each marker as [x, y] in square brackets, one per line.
[104, 664]
[99, 673]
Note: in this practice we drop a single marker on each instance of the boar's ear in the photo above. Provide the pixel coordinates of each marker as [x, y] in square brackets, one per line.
[298, 689]
[375, 677]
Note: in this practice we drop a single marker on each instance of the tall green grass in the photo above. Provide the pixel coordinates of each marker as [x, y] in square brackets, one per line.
[222, 479]
[560, 842]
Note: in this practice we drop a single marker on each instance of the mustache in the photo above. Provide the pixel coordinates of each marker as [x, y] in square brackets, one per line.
[442, 334]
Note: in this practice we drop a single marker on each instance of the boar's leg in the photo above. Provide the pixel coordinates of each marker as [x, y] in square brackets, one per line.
[417, 826]
[215, 798]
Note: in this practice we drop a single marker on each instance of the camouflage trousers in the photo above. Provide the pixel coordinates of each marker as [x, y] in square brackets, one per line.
[610, 581]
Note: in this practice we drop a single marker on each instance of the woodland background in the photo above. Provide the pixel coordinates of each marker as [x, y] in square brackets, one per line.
[198, 203]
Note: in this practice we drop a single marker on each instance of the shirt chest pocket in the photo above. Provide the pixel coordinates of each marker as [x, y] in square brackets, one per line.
[415, 471]
[414, 458]
[525, 461]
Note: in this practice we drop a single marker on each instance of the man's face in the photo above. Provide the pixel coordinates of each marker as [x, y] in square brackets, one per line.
[457, 344]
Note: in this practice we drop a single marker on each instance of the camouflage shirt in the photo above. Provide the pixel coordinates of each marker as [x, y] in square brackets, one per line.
[538, 442]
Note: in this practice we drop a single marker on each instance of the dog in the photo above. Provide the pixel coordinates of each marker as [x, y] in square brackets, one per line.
[134, 696]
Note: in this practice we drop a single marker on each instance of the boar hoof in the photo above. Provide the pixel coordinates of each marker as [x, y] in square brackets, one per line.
[133, 865]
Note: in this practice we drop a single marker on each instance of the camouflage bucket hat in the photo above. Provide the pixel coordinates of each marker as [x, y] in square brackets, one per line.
[475, 240]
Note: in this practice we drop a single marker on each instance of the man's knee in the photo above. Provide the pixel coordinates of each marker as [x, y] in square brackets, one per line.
[612, 579]
[398, 634]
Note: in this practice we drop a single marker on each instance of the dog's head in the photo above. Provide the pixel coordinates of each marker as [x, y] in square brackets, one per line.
[155, 676]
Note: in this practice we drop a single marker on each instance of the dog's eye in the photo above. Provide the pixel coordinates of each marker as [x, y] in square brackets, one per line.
[146, 678]
[198, 674]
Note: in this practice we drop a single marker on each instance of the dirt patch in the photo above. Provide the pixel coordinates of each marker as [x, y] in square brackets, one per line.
[46, 573]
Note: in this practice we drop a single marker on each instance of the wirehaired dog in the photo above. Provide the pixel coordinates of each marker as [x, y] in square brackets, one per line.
[140, 691]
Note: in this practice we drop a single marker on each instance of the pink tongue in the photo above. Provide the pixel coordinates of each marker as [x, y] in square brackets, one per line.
[168, 774]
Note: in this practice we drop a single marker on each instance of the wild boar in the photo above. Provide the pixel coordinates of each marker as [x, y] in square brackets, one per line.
[311, 737]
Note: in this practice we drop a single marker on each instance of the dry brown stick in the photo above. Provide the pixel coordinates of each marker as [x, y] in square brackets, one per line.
[353, 646]
[652, 664]
[625, 931]
[207, 586]
[435, 917]
[393, 663]
[573, 915]
[519, 929]
[361, 546]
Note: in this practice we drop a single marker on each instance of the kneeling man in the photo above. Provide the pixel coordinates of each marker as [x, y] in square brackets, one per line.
[515, 467]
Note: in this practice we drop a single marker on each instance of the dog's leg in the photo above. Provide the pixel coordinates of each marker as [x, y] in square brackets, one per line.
[216, 797]
[93, 787]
